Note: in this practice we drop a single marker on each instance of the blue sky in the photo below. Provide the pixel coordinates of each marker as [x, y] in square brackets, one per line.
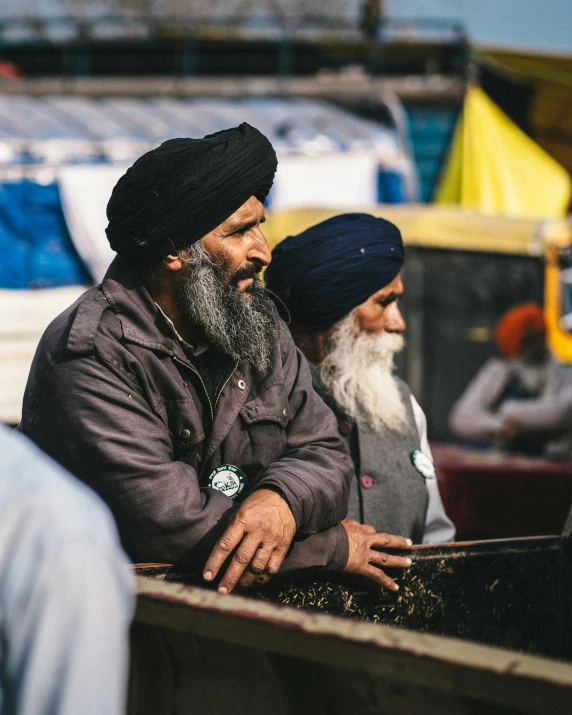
[529, 24]
[544, 25]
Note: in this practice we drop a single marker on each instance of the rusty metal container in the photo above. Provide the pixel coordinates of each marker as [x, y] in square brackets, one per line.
[515, 593]
[479, 627]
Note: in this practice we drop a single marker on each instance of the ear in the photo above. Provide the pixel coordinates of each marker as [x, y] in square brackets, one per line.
[173, 262]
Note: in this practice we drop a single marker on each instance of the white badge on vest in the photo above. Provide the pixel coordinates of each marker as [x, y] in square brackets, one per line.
[228, 479]
[423, 464]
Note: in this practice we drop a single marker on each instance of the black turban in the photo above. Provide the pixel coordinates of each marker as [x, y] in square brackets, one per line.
[325, 272]
[175, 194]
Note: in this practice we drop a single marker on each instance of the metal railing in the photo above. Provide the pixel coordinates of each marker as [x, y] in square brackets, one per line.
[276, 43]
[69, 28]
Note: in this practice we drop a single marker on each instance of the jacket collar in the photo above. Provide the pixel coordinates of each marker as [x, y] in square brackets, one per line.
[143, 324]
[140, 318]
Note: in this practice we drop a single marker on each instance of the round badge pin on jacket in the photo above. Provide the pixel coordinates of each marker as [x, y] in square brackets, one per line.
[423, 464]
[228, 479]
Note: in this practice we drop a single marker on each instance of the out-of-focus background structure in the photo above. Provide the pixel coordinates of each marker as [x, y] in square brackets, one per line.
[449, 117]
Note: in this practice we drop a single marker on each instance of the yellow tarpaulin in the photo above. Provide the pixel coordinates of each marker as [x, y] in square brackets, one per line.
[495, 168]
[551, 78]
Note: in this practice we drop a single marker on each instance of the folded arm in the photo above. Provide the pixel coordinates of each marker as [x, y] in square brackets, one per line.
[304, 493]
[472, 416]
[315, 471]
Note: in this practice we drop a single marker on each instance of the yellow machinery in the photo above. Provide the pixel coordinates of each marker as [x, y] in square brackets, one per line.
[558, 299]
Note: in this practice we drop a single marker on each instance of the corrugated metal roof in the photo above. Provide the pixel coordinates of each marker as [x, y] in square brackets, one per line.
[72, 129]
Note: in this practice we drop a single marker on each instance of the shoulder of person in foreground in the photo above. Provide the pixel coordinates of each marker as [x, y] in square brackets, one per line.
[66, 593]
[35, 488]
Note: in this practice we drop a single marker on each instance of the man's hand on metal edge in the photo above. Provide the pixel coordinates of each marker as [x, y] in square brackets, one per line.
[366, 556]
[259, 533]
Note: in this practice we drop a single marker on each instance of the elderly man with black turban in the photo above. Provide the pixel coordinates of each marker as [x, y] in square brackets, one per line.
[341, 282]
[175, 391]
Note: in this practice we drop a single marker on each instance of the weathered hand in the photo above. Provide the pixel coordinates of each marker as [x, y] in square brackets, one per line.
[260, 533]
[365, 557]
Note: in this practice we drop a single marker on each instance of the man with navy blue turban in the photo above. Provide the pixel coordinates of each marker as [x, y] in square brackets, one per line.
[175, 391]
[341, 282]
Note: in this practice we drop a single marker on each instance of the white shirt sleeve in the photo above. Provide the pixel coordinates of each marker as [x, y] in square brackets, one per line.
[439, 529]
[472, 416]
[551, 411]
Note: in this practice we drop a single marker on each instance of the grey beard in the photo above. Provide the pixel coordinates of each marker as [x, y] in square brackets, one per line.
[358, 371]
[241, 325]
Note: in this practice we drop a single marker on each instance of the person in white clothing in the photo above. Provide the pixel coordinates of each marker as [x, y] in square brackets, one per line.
[66, 591]
[523, 401]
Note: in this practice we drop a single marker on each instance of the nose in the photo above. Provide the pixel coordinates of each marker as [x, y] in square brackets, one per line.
[258, 248]
[394, 320]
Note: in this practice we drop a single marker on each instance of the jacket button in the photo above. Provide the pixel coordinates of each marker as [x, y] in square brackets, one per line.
[241, 385]
[345, 428]
[366, 481]
[186, 434]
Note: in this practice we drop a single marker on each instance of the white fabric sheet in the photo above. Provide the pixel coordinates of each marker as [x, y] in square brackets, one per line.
[24, 315]
[337, 179]
[85, 191]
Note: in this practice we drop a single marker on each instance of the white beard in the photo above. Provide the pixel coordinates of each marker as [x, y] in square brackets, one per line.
[534, 377]
[358, 371]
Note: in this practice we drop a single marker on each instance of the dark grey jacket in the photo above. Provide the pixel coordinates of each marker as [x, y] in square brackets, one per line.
[112, 396]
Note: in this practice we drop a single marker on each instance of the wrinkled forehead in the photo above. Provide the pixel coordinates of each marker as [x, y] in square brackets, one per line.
[251, 212]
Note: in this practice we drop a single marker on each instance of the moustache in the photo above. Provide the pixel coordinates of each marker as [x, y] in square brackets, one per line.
[252, 270]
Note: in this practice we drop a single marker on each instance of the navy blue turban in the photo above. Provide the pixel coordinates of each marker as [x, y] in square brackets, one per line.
[325, 272]
[175, 194]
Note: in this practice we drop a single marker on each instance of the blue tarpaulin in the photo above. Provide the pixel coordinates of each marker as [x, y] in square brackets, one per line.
[35, 245]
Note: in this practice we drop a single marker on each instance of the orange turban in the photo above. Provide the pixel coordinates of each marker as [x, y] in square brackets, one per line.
[515, 324]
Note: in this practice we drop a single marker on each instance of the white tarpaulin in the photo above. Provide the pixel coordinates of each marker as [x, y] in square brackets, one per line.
[24, 315]
[85, 191]
[338, 180]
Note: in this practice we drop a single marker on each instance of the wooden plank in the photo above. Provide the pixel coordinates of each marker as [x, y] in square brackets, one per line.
[524, 683]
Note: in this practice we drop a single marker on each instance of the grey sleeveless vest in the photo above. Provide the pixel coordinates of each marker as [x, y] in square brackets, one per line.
[387, 491]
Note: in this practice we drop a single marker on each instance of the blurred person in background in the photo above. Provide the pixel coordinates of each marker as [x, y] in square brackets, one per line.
[65, 592]
[523, 401]
[341, 283]
[176, 392]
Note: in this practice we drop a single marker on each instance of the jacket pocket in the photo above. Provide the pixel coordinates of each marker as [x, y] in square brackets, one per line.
[270, 406]
[185, 428]
[264, 420]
